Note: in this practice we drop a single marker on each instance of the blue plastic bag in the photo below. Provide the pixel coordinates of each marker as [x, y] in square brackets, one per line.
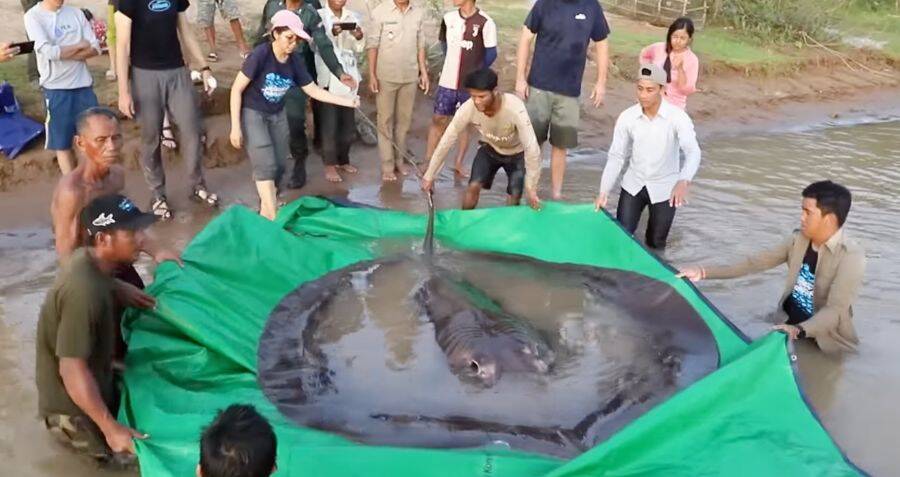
[16, 130]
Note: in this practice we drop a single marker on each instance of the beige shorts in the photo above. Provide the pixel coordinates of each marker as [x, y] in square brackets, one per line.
[206, 11]
[555, 117]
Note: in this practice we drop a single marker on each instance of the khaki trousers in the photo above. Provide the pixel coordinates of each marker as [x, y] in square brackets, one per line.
[394, 102]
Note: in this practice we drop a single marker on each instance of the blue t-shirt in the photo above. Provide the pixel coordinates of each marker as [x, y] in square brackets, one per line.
[270, 80]
[564, 29]
[799, 305]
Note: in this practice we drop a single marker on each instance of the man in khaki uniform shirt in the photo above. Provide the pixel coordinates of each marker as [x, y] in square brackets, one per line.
[396, 47]
[825, 271]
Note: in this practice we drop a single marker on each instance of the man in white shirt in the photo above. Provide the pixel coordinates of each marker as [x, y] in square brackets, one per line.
[337, 124]
[650, 133]
[63, 40]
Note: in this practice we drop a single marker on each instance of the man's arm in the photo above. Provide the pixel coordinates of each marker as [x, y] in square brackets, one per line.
[523, 55]
[82, 388]
[373, 41]
[615, 160]
[843, 292]
[64, 215]
[190, 41]
[751, 264]
[123, 63]
[45, 47]
[687, 141]
[424, 80]
[460, 122]
[601, 48]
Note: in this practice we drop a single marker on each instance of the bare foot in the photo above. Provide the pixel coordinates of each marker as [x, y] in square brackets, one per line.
[389, 177]
[557, 196]
[349, 169]
[403, 169]
[331, 174]
[461, 173]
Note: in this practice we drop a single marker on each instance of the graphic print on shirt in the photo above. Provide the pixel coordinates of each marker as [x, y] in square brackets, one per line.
[158, 6]
[803, 290]
[275, 87]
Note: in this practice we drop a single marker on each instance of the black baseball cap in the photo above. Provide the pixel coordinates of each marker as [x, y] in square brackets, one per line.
[114, 212]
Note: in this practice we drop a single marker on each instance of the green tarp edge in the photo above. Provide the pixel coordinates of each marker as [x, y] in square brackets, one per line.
[196, 353]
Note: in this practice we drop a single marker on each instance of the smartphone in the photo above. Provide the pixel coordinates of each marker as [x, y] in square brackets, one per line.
[24, 47]
[349, 26]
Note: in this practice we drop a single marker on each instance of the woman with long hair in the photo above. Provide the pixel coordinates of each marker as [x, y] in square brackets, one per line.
[677, 60]
[258, 120]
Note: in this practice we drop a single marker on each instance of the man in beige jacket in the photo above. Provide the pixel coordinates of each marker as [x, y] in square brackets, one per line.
[825, 270]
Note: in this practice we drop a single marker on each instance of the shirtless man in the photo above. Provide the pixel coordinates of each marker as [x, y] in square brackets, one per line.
[99, 141]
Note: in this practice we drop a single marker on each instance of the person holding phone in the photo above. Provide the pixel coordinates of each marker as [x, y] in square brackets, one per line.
[7, 51]
[337, 123]
[63, 40]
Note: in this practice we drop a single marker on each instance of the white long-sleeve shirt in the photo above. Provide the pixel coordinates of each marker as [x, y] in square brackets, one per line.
[652, 146]
[51, 31]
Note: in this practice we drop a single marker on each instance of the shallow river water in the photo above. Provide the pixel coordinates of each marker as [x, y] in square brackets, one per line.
[746, 196]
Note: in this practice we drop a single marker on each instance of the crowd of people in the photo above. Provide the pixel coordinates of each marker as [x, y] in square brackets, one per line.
[304, 52]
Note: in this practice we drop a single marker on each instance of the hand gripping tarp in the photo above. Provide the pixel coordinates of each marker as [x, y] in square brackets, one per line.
[196, 353]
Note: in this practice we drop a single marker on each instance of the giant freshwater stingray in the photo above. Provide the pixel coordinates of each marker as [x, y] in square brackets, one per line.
[504, 379]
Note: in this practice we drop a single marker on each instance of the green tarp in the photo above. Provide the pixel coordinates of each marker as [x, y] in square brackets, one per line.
[196, 353]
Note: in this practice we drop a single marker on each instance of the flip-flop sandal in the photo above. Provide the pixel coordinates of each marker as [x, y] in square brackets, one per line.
[168, 140]
[212, 57]
[160, 208]
[206, 197]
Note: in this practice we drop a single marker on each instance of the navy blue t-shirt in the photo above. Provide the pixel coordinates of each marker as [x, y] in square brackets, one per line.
[564, 29]
[270, 80]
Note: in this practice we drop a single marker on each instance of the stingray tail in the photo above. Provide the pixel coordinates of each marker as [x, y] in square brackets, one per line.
[429, 231]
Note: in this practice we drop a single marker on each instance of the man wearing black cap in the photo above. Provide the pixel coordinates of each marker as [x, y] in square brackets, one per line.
[77, 394]
[650, 134]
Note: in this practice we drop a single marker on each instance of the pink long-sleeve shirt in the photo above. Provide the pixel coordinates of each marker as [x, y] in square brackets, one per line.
[656, 54]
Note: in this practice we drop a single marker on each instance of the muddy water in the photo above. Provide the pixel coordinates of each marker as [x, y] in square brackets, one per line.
[746, 196]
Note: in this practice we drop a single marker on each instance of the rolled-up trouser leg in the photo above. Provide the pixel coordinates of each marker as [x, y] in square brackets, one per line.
[328, 123]
[346, 133]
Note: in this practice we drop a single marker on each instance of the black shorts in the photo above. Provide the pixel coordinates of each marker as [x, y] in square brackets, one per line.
[488, 161]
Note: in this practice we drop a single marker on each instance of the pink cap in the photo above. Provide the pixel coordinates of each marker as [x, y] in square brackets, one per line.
[289, 19]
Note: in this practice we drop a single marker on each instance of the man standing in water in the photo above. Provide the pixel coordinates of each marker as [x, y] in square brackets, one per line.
[825, 271]
[507, 142]
[77, 393]
[561, 32]
[650, 133]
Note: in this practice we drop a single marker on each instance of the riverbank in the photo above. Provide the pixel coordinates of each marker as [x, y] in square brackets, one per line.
[743, 84]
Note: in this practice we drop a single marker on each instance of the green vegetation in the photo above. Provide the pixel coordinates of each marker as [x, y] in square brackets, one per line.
[880, 24]
[16, 72]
